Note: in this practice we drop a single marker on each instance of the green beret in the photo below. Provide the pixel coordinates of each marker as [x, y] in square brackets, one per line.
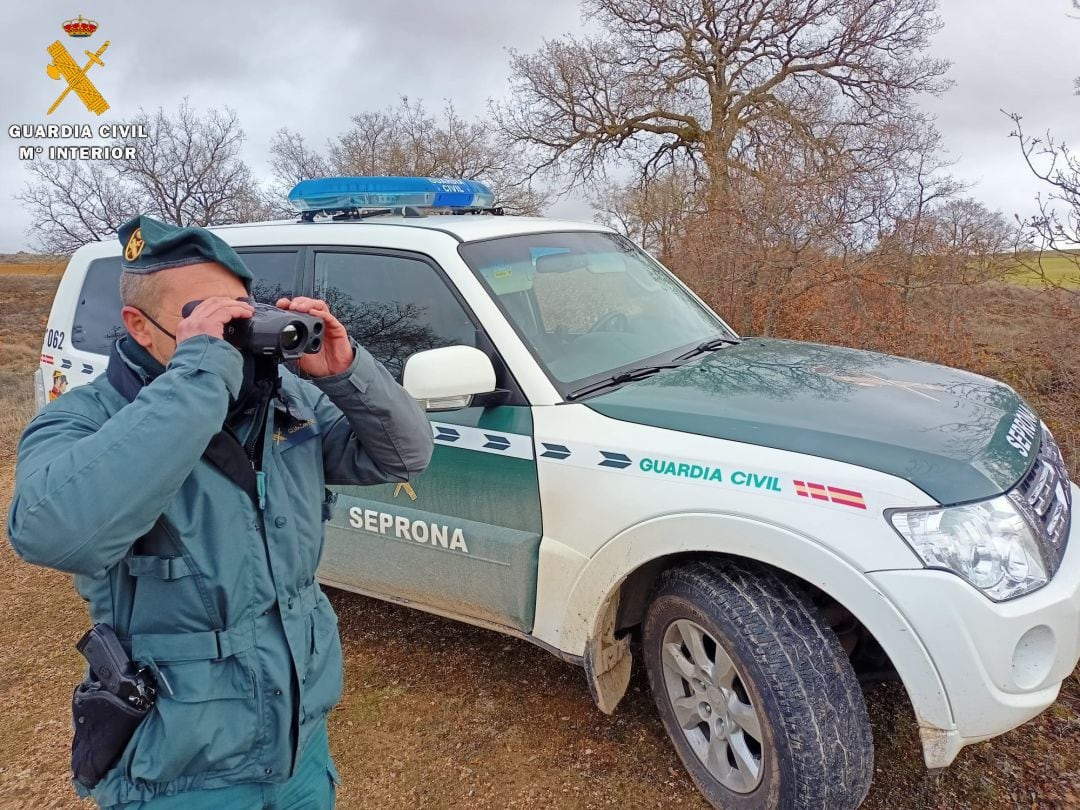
[151, 245]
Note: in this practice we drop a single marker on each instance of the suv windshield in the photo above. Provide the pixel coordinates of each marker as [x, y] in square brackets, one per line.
[590, 304]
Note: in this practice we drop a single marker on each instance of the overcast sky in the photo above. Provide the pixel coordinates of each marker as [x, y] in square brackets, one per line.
[309, 66]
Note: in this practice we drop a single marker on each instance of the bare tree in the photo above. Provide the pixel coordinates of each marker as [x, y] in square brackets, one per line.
[806, 219]
[291, 160]
[1054, 231]
[653, 214]
[904, 221]
[795, 121]
[408, 140]
[188, 171]
[190, 166]
[71, 203]
[955, 242]
[709, 83]
[975, 240]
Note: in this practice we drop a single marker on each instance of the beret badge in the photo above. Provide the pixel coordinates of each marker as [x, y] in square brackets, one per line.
[134, 247]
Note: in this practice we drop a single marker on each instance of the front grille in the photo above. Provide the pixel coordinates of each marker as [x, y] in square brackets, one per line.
[1045, 499]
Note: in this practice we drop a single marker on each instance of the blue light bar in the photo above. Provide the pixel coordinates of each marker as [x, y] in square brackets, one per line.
[346, 193]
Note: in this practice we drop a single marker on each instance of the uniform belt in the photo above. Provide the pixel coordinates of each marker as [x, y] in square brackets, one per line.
[209, 645]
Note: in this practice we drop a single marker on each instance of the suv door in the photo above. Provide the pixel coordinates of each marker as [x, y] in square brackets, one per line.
[464, 536]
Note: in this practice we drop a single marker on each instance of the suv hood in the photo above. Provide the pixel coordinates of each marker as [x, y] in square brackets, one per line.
[957, 436]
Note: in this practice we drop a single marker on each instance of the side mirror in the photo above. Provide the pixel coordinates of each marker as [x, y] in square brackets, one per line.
[447, 378]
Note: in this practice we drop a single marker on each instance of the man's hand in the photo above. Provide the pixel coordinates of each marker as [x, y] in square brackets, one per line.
[210, 317]
[336, 354]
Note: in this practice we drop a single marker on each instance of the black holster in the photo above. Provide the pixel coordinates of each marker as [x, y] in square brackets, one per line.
[107, 707]
[104, 725]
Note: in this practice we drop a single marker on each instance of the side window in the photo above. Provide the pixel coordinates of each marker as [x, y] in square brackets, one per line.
[393, 306]
[97, 316]
[275, 274]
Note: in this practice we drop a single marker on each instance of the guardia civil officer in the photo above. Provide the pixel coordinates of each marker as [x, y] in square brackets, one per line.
[185, 491]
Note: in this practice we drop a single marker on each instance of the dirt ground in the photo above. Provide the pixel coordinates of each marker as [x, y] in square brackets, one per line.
[441, 715]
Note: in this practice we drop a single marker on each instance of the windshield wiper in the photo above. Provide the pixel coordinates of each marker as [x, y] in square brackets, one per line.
[710, 345]
[616, 380]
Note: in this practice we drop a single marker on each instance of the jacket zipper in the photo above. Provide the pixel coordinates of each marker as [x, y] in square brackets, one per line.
[258, 428]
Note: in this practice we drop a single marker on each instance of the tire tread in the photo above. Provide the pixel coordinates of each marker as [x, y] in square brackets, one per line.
[821, 706]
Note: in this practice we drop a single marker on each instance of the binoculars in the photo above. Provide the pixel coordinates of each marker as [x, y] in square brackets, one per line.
[272, 332]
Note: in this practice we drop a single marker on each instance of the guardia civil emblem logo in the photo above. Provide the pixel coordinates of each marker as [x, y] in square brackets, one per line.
[134, 247]
[64, 66]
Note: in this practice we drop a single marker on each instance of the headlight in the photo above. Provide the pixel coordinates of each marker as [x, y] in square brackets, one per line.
[989, 544]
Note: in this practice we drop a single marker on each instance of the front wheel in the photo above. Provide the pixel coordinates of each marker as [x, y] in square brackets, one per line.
[755, 690]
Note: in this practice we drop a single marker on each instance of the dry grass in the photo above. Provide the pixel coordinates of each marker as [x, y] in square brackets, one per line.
[31, 269]
[25, 300]
[24, 307]
[439, 715]
[32, 264]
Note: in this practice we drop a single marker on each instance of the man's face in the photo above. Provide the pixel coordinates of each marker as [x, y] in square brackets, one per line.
[174, 288]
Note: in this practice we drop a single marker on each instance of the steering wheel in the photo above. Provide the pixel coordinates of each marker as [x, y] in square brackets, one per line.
[613, 321]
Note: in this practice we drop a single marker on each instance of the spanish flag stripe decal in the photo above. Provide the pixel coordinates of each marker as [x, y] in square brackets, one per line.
[845, 502]
[849, 493]
[837, 495]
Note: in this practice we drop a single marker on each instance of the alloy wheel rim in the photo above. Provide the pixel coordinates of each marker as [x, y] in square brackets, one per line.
[712, 706]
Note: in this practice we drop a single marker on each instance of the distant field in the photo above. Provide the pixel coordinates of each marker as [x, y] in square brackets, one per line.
[31, 268]
[1063, 270]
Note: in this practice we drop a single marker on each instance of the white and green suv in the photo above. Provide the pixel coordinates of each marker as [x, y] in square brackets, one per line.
[773, 521]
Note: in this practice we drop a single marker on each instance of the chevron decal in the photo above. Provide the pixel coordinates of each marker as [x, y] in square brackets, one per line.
[515, 445]
[555, 451]
[496, 442]
[618, 461]
[446, 434]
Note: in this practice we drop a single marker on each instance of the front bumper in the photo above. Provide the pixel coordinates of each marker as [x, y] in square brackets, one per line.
[1000, 663]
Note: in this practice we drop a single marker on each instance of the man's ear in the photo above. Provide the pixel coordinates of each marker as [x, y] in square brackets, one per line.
[137, 326]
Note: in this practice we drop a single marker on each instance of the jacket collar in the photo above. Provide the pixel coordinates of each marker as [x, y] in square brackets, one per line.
[131, 367]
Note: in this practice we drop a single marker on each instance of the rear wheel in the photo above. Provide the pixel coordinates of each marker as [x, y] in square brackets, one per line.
[755, 690]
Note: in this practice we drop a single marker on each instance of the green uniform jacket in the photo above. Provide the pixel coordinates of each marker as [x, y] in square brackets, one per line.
[218, 596]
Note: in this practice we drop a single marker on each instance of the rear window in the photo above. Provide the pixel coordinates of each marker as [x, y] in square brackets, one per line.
[97, 316]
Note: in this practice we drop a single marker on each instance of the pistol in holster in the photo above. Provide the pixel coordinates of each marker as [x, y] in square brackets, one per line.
[108, 706]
